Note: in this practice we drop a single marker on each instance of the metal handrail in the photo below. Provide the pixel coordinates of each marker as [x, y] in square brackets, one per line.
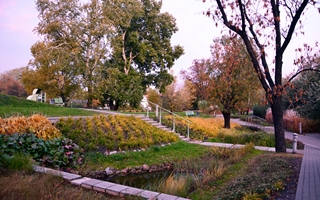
[261, 127]
[174, 115]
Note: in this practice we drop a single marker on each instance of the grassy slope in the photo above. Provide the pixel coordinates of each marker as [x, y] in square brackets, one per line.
[12, 106]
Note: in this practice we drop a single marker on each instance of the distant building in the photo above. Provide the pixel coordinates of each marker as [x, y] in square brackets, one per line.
[38, 95]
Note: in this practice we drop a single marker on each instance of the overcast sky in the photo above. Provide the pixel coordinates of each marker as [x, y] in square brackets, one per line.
[196, 32]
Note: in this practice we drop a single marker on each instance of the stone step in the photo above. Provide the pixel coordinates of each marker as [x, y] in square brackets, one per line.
[160, 126]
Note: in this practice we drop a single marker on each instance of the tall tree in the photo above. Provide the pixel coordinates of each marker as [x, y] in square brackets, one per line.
[154, 97]
[233, 77]
[87, 39]
[177, 98]
[199, 75]
[143, 41]
[10, 83]
[51, 70]
[79, 31]
[260, 25]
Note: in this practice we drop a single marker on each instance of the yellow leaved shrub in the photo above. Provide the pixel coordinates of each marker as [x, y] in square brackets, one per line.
[36, 124]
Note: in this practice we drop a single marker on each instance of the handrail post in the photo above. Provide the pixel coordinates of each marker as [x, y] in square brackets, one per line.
[157, 108]
[174, 124]
[188, 133]
[160, 117]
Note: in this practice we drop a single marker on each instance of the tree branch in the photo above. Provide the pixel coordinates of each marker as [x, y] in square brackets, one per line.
[293, 24]
[299, 72]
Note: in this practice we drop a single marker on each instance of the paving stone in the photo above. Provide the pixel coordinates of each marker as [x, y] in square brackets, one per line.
[166, 197]
[238, 146]
[53, 172]
[272, 149]
[132, 191]
[71, 177]
[39, 168]
[90, 183]
[262, 148]
[308, 183]
[149, 194]
[79, 181]
[116, 189]
[101, 187]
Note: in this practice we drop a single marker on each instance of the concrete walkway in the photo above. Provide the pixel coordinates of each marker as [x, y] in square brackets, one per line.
[309, 177]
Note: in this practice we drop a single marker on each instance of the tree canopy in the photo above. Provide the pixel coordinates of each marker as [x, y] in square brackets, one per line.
[304, 93]
[82, 41]
[227, 78]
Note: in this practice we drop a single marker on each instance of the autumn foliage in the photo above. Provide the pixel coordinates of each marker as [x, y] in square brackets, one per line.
[37, 124]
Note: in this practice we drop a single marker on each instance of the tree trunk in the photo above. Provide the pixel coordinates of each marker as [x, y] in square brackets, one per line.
[226, 116]
[277, 114]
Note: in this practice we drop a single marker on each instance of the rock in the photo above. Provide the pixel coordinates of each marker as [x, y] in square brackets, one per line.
[106, 153]
[113, 152]
[109, 171]
[145, 167]
[125, 171]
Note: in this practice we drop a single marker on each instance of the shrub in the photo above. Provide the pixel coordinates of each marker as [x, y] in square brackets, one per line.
[16, 162]
[51, 153]
[37, 124]
[200, 128]
[257, 138]
[113, 132]
[260, 111]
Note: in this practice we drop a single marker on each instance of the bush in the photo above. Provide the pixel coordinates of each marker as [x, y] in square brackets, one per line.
[257, 138]
[200, 128]
[16, 162]
[113, 132]
[51, 153]
[260, 111]
[37, 124]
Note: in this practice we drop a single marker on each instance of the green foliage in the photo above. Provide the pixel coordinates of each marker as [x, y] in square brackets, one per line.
[257, 138]
[16, 162]
[127, 90]
[113, 132]
[52, 153]
[154, 97]
[304, 95]
[260, 111]
[155, 155]
[203, 105]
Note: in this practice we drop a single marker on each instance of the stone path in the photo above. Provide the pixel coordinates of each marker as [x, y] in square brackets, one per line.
[309, 177]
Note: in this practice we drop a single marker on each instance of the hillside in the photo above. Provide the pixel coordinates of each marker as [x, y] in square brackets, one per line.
[12, 106]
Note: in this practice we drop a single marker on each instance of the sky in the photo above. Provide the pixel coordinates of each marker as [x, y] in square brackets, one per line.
[196, 32]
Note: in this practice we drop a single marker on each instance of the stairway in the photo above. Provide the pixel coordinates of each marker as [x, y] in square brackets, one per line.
[160, 126]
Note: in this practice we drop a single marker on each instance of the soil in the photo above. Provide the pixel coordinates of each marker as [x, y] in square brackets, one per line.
[289, 193]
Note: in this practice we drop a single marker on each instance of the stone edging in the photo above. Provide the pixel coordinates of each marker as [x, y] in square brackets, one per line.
[106, 187]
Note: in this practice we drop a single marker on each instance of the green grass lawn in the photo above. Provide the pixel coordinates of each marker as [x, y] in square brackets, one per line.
[156, 155]
[13, 106]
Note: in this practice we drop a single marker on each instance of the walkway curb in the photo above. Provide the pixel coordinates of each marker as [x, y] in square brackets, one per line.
[106, 187]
